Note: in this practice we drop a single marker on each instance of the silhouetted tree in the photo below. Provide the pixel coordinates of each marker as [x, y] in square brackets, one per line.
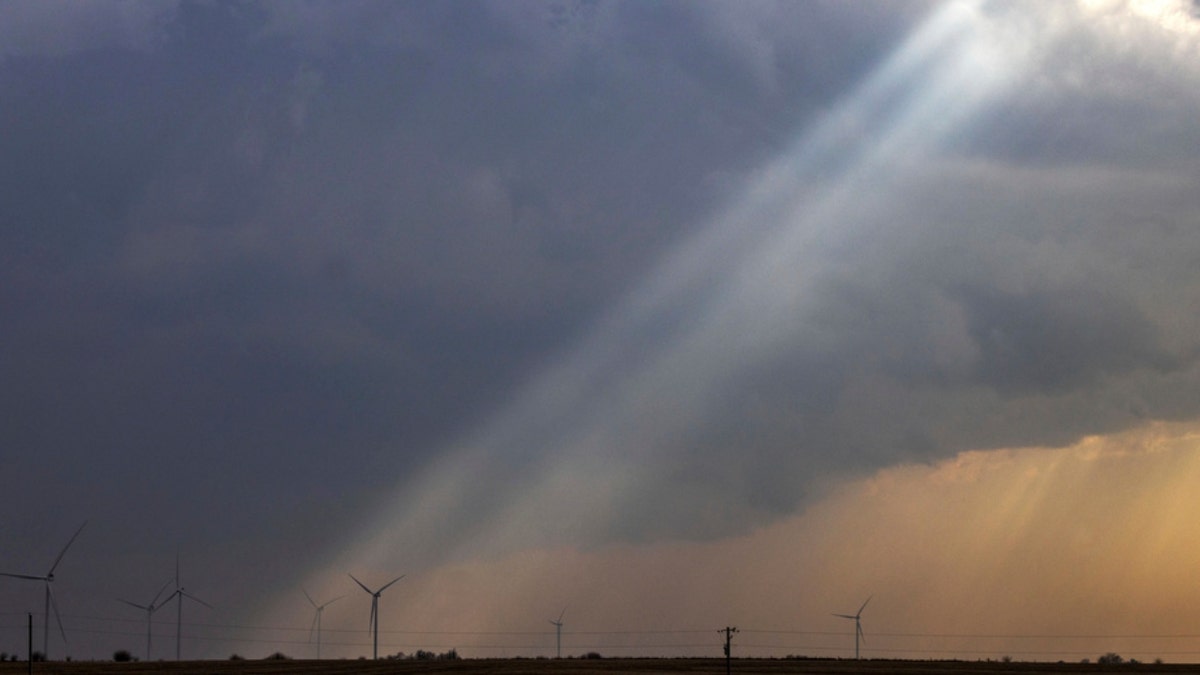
[1111, 658]
[122, 656]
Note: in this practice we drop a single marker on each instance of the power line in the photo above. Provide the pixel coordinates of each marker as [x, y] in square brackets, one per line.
[640, 642]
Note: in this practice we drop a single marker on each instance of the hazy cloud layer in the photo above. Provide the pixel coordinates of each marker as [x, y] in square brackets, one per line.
[527, 273]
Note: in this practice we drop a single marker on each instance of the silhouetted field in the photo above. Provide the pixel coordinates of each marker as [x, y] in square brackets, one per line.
[586, 666]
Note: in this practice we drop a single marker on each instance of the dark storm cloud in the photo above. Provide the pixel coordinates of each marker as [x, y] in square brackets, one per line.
[972, 298]
[60, 27]
[260, 262]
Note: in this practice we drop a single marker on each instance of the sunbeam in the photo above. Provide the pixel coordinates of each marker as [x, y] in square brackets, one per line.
[565, 462]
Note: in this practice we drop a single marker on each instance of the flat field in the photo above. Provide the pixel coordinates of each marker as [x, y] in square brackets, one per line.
[631, 666]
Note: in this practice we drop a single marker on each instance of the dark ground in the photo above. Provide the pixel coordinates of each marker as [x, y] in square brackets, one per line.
[587, 666]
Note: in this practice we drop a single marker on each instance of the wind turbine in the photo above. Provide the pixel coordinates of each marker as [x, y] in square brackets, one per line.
[178, 595]
[558, 631]
[858, 631]
[48, 577]
[317, 618]
[374, 625]
[149, 609]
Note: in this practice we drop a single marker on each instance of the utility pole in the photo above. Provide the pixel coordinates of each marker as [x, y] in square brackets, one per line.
[31, 643]
[728, 631]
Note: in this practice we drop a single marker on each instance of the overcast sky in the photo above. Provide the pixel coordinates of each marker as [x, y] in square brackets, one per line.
[578, 291]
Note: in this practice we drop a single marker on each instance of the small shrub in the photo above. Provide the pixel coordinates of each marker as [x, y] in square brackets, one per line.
[236, 657]
[122, 656]
[592, 655]
[1110, 659]
[279, 656]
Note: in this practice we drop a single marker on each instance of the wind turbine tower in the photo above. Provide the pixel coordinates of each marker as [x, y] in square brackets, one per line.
[558, 632]
[374, 625]
[48, 578]
[178, 596]
[858, 631]
[149, 609]
[317, 618]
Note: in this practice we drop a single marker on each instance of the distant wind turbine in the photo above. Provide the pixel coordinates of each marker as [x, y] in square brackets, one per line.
[558, 631]
[317, 618]
[178, 597]
[374, 625]
[48, 577]
[149, 609]
[858, 631]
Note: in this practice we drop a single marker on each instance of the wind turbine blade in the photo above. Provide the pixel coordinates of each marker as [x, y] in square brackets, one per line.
[57, 617]
[390, 583]
[189, 596]
[156, 595]
[361, 584]
[22, 576]
[374, 612]
[310, 600]
[313, 628]
[174, 594]
[64, 549]
[846, 616]
[134, 604]
[331, 602]
[864, 605]
[861, 635]
[560, 614]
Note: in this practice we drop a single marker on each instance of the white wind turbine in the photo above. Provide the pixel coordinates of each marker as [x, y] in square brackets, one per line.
[317, 618]
[374, 625]
[178, 595]
[858, 631]
[48, 577]
[149, 609]
[558, 632]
